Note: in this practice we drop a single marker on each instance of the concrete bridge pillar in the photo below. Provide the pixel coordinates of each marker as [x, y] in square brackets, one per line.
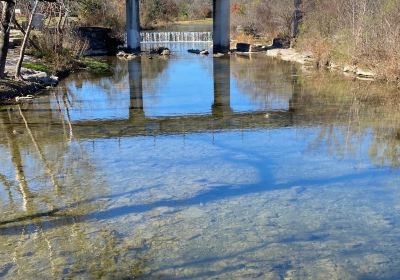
[221, 25]
[133, 25]
[222, 87]
[136, 110]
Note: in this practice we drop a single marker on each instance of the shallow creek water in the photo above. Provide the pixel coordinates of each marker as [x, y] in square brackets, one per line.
[200, 168]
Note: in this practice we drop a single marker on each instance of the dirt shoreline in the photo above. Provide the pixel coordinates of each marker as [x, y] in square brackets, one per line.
[11, 90]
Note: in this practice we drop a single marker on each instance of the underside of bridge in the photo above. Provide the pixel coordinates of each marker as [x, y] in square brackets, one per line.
[221, 25]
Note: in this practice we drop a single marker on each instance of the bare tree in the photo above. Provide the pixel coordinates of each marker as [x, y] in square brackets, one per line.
[5, 26]
[297, 16]
[25, 41]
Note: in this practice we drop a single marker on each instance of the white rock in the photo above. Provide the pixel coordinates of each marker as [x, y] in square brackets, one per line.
[365, 73]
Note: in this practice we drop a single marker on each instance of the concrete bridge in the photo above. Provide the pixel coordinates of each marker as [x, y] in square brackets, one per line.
[221, 25]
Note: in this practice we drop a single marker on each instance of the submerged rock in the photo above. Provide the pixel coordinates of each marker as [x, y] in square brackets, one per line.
[195, 51]
[217, 55]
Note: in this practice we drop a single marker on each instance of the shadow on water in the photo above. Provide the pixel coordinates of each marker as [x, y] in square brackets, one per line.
[215, 194]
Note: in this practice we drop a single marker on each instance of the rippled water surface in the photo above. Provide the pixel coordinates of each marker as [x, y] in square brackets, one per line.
[200, 168]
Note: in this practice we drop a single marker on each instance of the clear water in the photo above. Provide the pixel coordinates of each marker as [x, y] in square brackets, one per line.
[200, 168]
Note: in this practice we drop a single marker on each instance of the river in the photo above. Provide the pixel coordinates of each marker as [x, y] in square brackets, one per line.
[191, 167]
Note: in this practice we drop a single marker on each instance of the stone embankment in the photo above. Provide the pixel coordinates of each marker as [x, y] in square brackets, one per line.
[306, 59]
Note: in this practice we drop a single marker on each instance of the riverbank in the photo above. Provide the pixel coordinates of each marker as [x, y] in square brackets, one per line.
[38, 74]
[35, 77]
[12, 91]
[309, 60]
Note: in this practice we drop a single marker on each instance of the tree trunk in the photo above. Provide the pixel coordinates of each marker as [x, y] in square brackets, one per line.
[5, 26]
[25, 42]
[297, 16]
[18, 26]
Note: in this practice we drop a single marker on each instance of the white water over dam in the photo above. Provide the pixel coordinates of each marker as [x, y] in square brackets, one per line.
[177, 36]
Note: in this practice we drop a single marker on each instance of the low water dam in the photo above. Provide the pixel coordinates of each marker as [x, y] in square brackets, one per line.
[177, 36]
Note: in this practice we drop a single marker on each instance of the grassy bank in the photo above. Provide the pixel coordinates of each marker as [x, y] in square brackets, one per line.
[95, 65]
[92, 65]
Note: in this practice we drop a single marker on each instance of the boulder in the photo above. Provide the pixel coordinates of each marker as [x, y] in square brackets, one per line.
[160, 51]
[243, 47]
[39, 77]
[281, 43]
[15, 42]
